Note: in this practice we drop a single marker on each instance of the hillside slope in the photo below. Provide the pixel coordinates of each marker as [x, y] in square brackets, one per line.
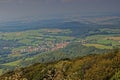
[91, 67]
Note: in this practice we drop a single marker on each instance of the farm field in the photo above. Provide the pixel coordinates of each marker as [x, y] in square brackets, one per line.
[26, 47]
[99, 46]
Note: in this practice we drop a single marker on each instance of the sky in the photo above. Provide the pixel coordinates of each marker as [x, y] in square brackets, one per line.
[21, 9]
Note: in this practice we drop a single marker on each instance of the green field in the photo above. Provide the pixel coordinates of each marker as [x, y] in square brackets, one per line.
[99, 46]
[1, 71]
[26, 47]
[14, 63]
[103, 41]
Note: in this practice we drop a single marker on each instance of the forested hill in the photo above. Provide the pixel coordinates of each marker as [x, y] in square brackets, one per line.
[91, 67]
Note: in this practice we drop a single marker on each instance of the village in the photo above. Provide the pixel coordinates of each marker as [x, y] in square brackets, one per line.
[42, 48]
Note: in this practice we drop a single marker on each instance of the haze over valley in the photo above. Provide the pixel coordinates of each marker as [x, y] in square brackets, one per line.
[59, 40]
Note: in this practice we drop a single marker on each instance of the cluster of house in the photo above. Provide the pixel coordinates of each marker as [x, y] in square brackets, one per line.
[42, 48]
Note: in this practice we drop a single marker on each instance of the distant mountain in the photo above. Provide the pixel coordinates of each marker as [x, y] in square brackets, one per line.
[78, 28]
[19, 25]
[14, 26]
[81, 23]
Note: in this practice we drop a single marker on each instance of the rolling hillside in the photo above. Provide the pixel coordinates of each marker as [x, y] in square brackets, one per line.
[23, 44]
[91, 67]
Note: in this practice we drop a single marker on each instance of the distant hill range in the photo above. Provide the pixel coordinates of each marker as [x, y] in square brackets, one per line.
[79, 22]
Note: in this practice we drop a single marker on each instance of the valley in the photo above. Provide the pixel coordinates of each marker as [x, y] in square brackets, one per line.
[70, 39]
[59, 39]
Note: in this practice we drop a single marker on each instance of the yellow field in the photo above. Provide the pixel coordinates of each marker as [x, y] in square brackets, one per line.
[98, 46]
[114, 38]
[52, 30]
[1, 71]
[15, 63]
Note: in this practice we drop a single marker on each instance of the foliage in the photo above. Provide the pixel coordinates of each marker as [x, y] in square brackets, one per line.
[91, 67]
[26, 44]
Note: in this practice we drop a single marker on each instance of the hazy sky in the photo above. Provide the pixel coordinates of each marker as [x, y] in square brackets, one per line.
[18, 9]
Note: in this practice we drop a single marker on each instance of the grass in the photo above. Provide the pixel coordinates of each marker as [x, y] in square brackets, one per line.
[106, 42]
[15, 63]
[33, 37]
[110, 30]
[114, 38]
[99, 46]
[29, 58]
[26, 41]
[96, 37]
[19, 48]
[1, 71]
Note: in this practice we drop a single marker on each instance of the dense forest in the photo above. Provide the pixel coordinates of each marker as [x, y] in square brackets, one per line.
[92, 67]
